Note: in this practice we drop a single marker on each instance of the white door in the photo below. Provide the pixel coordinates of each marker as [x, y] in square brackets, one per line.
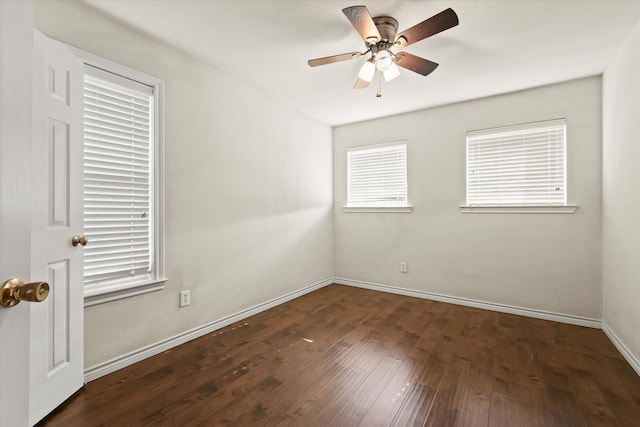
[57, 345]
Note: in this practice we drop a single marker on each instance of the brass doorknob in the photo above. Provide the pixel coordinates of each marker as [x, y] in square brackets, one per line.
[82, 240]
[15, 290]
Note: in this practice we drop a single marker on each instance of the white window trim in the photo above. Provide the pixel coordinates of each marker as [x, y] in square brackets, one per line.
[519, 209]
[380, 209]
[118, 289]
[406, 208]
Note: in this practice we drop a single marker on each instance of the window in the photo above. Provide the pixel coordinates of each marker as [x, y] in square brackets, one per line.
[377, 176]
[523, 165]
[121, 186]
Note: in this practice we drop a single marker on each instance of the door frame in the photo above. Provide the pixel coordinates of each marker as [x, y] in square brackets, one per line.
[16, 44]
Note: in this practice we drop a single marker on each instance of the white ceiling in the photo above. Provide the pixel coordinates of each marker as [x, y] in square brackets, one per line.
[499, 46]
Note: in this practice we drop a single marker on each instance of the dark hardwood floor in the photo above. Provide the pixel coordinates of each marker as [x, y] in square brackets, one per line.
[343, 356]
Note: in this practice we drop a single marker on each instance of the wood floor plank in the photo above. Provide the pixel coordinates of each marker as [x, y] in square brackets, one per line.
[474, 409]
[388, 402]
[505, 412]
[416, 406]
[360, 402]
[344, 356]
[450, 393]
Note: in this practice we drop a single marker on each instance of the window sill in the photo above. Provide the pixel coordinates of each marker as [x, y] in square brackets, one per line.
[378, 209]
[99, 294]
[520, 209]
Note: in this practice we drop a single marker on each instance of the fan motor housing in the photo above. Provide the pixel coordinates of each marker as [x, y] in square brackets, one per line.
[387, 27]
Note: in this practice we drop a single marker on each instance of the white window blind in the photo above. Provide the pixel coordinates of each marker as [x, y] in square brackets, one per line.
[118, 177]
[517, 165]
[377, 175]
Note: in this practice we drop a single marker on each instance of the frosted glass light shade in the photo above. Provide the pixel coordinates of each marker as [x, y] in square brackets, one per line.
[391, 73]
[367, 71]
[383, 60]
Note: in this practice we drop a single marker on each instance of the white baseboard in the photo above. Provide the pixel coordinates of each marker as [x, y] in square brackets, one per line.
[503, 308]
[120, 362]
[633, 361]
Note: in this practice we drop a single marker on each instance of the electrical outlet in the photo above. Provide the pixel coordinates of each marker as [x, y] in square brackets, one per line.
[403, 267]
[185, 298]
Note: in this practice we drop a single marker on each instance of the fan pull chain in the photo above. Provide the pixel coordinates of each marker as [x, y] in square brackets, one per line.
[379, 81]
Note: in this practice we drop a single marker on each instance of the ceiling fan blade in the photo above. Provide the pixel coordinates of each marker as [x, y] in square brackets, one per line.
[437, 23]
[360, 18]
[360, 84]
[414, 63]
[332, 59]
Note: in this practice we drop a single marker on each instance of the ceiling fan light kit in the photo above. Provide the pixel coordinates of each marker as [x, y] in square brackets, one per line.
[379, 35]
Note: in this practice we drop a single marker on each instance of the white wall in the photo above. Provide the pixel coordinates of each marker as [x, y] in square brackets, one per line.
[549, 262]
[16, 38]
[248, 190]
[621, 199]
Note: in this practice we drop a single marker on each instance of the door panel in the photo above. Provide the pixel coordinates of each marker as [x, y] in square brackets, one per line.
[58, 316]
[58, 168]
[56, 355]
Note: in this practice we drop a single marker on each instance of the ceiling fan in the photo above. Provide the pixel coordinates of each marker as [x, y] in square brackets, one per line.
[379, 35]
